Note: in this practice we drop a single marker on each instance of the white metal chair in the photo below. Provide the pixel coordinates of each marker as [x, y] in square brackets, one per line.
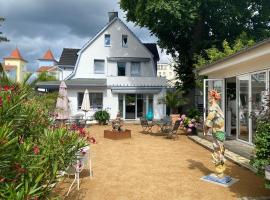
[83, 158]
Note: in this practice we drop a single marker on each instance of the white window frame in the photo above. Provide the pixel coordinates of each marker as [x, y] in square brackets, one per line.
[107, 45]
[99, 72]
[123, 44]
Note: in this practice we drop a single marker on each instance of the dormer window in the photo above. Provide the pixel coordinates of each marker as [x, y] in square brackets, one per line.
[124, 41]
[107, 40]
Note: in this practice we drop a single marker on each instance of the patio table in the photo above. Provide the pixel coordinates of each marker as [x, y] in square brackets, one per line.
[164, 125]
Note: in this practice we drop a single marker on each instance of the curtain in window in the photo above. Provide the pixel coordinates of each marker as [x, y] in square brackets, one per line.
[135, 69]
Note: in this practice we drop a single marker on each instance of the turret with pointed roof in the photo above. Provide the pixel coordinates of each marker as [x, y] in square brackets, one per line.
[47, 60]
[48, 64]
[15, 65]
[48, 56]
[16, 54]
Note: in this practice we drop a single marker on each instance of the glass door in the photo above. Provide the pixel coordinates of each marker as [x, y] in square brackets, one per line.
[213, 84]
[243, 108]
[130, 106]
[258, 86]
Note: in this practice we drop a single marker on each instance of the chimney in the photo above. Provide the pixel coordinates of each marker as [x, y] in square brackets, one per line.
[112, 15]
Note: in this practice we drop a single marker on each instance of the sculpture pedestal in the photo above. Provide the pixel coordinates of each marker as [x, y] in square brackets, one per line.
[117, 135]
[225, 181]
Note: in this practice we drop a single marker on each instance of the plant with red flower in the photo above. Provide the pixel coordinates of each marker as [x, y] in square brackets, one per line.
[6, 87]
[36, 149]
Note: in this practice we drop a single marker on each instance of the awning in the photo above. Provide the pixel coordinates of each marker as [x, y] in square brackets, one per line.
[128, 59]
[134, 90]
[80, 82]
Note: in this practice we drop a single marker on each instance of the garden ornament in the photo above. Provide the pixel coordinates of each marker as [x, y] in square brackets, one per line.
[117, 123]
[215, 122]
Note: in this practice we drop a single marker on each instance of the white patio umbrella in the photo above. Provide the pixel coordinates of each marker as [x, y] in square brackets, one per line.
[86, 102]
[62, 104]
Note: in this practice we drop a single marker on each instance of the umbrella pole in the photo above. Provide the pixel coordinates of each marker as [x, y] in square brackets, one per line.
[85, 119]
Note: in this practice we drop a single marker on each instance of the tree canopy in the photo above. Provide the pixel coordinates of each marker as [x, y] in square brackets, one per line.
[2, 38]
[186, 27]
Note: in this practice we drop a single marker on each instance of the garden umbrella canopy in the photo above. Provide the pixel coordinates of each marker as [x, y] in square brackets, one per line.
[62, 106]
[86, 102]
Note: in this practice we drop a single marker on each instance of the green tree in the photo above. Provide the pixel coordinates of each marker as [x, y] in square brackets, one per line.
[213, 54]
[45, 76]
[2, 38]
[186, 27]
[174, 99]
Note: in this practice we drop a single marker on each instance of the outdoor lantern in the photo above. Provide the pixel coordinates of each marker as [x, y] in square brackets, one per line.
[267, 172]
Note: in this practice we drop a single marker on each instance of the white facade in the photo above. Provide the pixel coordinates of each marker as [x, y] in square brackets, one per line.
[130, 94]
[166, 70]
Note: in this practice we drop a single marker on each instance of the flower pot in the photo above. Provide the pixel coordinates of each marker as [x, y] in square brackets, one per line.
[267, 172]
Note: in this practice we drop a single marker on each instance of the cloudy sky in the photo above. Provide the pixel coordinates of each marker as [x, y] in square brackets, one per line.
[36, 25]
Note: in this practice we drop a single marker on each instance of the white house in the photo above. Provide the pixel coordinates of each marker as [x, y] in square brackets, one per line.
[118, 70]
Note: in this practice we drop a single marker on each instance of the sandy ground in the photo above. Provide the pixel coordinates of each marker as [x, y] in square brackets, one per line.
[148, 167]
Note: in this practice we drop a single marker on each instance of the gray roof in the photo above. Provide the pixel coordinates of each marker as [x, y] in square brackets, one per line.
[68, 57]
[79, 82]
[152, 47]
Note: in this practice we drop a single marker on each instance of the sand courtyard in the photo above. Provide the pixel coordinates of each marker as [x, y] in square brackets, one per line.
[148, 167]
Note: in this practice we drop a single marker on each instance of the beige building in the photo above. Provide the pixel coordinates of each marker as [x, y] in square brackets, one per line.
[243, 80]
[166, 70]
[15, 66]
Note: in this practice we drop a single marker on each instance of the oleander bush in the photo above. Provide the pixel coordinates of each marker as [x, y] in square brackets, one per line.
[31, 153]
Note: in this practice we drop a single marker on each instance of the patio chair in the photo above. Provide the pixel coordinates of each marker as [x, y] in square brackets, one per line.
[145, 125]
[165, 123]
[172, 132]
[77, 167]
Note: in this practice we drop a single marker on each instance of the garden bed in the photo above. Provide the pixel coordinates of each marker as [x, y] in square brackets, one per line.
[117, 135]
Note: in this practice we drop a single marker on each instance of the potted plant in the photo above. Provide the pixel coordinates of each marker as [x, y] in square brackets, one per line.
[102, 116]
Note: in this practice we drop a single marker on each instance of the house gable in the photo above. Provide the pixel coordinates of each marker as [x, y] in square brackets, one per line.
[95, 49]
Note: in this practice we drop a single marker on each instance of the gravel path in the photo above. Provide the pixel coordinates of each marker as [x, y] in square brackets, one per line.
[148, 167]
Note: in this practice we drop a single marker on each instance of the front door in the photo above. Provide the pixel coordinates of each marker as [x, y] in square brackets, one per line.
[213, 84]
[130, 106]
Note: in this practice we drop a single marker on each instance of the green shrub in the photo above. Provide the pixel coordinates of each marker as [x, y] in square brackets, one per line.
[262, 148]
[31, 154]
[193, 113]
[262, 136]
[102, 116]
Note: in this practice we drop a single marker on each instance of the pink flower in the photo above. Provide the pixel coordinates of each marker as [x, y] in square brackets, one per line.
[181, 123]
[183, 117]
[191, 125]
[189, 130]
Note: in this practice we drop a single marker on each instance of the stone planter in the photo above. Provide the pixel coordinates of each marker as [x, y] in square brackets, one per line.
[267, 172]
[117, 135]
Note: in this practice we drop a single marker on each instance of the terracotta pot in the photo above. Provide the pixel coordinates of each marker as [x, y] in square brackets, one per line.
[174, 117]
[267, 172]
